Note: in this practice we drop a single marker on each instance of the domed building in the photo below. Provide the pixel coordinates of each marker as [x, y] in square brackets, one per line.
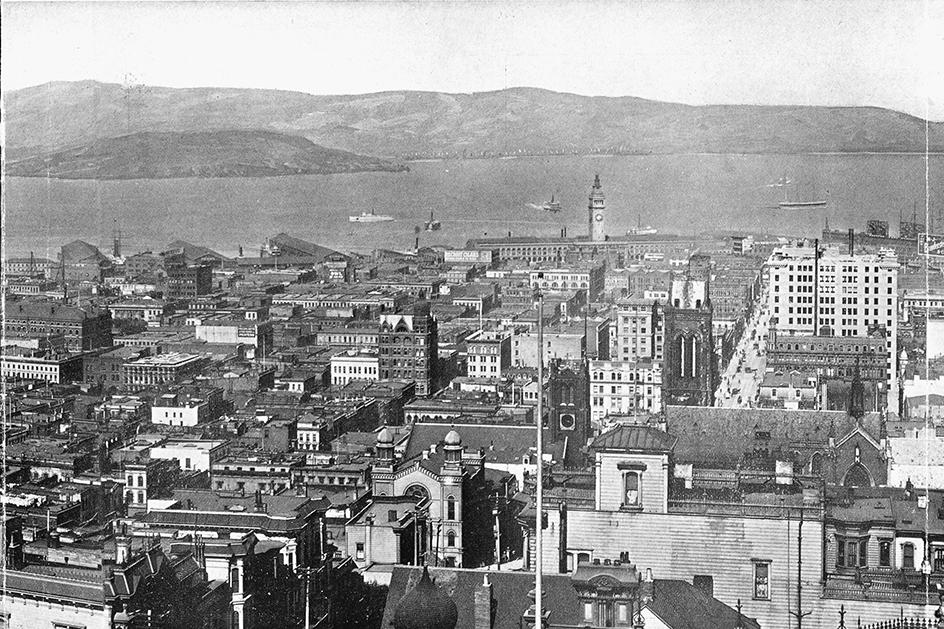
[426, 606]
[443, 480]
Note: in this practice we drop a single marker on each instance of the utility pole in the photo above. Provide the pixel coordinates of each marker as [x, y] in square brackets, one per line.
[539, 511]
[307, 598]
[498, 553]
[799, 614]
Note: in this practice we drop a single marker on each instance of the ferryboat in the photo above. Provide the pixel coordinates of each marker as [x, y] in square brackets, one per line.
[432, 225]
[370, 217]
[639, 230]
[552, 206]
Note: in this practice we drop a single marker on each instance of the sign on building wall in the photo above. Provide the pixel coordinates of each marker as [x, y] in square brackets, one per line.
[931, 244]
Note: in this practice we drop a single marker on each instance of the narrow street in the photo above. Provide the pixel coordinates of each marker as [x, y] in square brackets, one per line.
[740, 381]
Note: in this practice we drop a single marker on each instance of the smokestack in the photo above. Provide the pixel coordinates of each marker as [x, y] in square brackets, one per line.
[851, 241]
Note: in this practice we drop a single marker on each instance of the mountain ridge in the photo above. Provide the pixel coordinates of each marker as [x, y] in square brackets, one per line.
[408, 124]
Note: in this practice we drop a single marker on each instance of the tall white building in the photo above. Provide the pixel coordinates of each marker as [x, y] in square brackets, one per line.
[363, 364]
[619, 387]
[638, 330]
[839, 294]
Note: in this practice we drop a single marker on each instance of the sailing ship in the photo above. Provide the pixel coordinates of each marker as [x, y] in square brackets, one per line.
[787, 204]
[370, 217]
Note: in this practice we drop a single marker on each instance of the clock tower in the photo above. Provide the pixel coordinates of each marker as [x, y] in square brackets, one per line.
[597, 212]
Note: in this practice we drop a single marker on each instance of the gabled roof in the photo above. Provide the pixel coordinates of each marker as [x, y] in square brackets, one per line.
[635, 439]
[81, 251]
[298, 246]
[681, 605]
[194, 252]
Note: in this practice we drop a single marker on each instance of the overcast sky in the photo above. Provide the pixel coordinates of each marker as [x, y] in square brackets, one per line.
[824, 52]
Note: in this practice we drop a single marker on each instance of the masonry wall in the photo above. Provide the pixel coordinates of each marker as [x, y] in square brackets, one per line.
[26, 614]
[680, 546]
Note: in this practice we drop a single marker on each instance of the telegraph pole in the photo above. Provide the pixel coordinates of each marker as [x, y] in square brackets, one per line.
[539, 512]
[799, 614]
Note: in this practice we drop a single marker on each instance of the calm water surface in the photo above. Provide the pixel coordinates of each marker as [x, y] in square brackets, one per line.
[675, 193]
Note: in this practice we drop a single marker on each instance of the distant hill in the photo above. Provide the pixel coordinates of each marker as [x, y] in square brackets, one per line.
[405, 124]
[166, 155]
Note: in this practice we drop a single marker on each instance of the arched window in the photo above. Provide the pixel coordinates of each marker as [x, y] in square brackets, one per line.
[450, 539]
[857, 476]
[451, 508]
[680, 350]
[816, 463]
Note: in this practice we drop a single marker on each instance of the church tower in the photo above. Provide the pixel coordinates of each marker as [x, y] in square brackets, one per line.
[597, 212]
[689, 371]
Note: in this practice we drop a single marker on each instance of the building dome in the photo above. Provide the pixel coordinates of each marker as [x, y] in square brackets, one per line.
[426, 607]
[453, 439]
[385, 437]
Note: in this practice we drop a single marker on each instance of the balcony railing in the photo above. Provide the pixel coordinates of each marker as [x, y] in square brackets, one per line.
[886, 585]
[709, 507]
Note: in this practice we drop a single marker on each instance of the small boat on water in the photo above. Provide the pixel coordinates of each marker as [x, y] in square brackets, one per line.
[552, 206]
[786, 204]
[370, 217]
[799, 205]
[432, 225]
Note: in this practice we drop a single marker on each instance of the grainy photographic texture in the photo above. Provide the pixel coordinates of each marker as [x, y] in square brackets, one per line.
[473, 315]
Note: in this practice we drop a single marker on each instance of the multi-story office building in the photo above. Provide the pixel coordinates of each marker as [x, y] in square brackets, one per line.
[489, 353]
[590, 278]
[567, 343]
[187, 282]
[160, 369]
[409, 346]
[84, 329]
[836, 293]
[61, 368]
[638, 331]
[355, 365]
[619, 387]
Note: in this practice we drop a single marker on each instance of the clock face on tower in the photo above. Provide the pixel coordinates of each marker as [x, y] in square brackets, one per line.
[598, 217]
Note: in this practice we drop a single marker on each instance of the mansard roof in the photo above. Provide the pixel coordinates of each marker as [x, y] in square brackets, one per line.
[635, 439]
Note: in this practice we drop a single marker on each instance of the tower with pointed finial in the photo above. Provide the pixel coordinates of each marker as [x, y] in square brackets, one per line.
[597, 212]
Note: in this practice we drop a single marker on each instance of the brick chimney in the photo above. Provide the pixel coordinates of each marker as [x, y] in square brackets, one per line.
[483, 604]
[705, 583]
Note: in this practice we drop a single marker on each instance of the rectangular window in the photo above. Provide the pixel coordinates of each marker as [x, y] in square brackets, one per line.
[631, 489]
[359, 551]
[588, 612]
[907, 556]
[762, 580]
